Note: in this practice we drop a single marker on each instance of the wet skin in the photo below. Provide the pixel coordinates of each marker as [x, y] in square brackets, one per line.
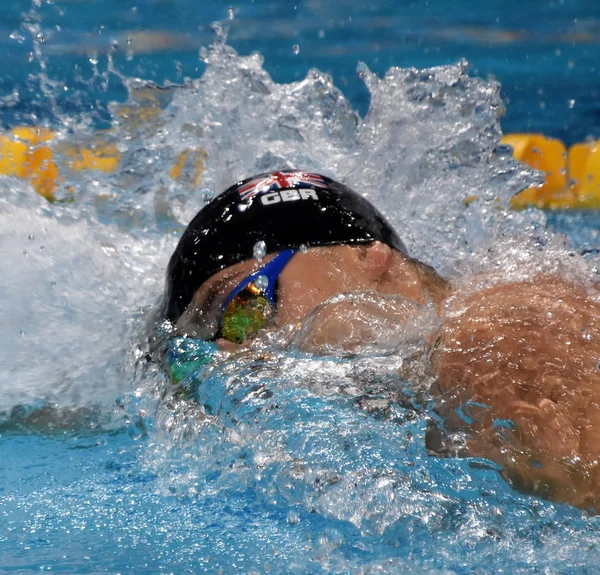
[525, 353]
[530, 352]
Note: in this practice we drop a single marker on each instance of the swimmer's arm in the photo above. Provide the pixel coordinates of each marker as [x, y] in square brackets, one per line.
[526, 353]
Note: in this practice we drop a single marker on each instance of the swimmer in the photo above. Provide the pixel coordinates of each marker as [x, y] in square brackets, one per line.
[520, 358]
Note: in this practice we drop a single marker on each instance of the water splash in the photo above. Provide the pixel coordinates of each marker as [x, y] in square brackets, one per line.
[73, 295]
[426, 153]
[329, 453]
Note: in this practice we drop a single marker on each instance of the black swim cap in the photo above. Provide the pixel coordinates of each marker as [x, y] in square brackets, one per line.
[286, 209]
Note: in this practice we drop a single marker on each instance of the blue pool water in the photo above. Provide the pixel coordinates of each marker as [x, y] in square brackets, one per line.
[304, 464]
[544, 54]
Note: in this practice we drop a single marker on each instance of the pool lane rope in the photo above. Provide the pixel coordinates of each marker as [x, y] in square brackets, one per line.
[38, 156]
[571, 177]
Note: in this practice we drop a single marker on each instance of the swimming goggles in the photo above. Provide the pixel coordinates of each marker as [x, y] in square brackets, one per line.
[253, 301]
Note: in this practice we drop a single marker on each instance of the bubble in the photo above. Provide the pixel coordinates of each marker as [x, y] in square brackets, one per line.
[296, 49]
[259, 251]
[571, 103]
[303, 248]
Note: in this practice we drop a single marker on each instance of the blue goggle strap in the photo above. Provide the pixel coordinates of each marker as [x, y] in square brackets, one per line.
[270, 270]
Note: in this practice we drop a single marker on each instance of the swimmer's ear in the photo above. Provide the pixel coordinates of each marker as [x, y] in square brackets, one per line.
[375, 259]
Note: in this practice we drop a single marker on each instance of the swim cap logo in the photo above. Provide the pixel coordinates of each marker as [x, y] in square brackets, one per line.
[283, 187]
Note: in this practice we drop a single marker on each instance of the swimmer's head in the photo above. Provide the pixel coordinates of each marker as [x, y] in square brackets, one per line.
[269, 213]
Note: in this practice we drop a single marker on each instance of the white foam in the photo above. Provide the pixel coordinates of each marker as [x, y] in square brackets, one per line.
[71, 291]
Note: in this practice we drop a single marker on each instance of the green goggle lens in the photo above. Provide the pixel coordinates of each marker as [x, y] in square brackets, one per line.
[245, 315]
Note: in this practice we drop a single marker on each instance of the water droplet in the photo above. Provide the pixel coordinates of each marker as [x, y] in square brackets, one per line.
[571, 104]
[40, 37]
[293, 517]
[31, 237]
[361, 70]
[261, 282]
[321, 33]
[207, 195]
[259, 251]
[296, 49]
[303, 248]
[16, 35]
[231, 13]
